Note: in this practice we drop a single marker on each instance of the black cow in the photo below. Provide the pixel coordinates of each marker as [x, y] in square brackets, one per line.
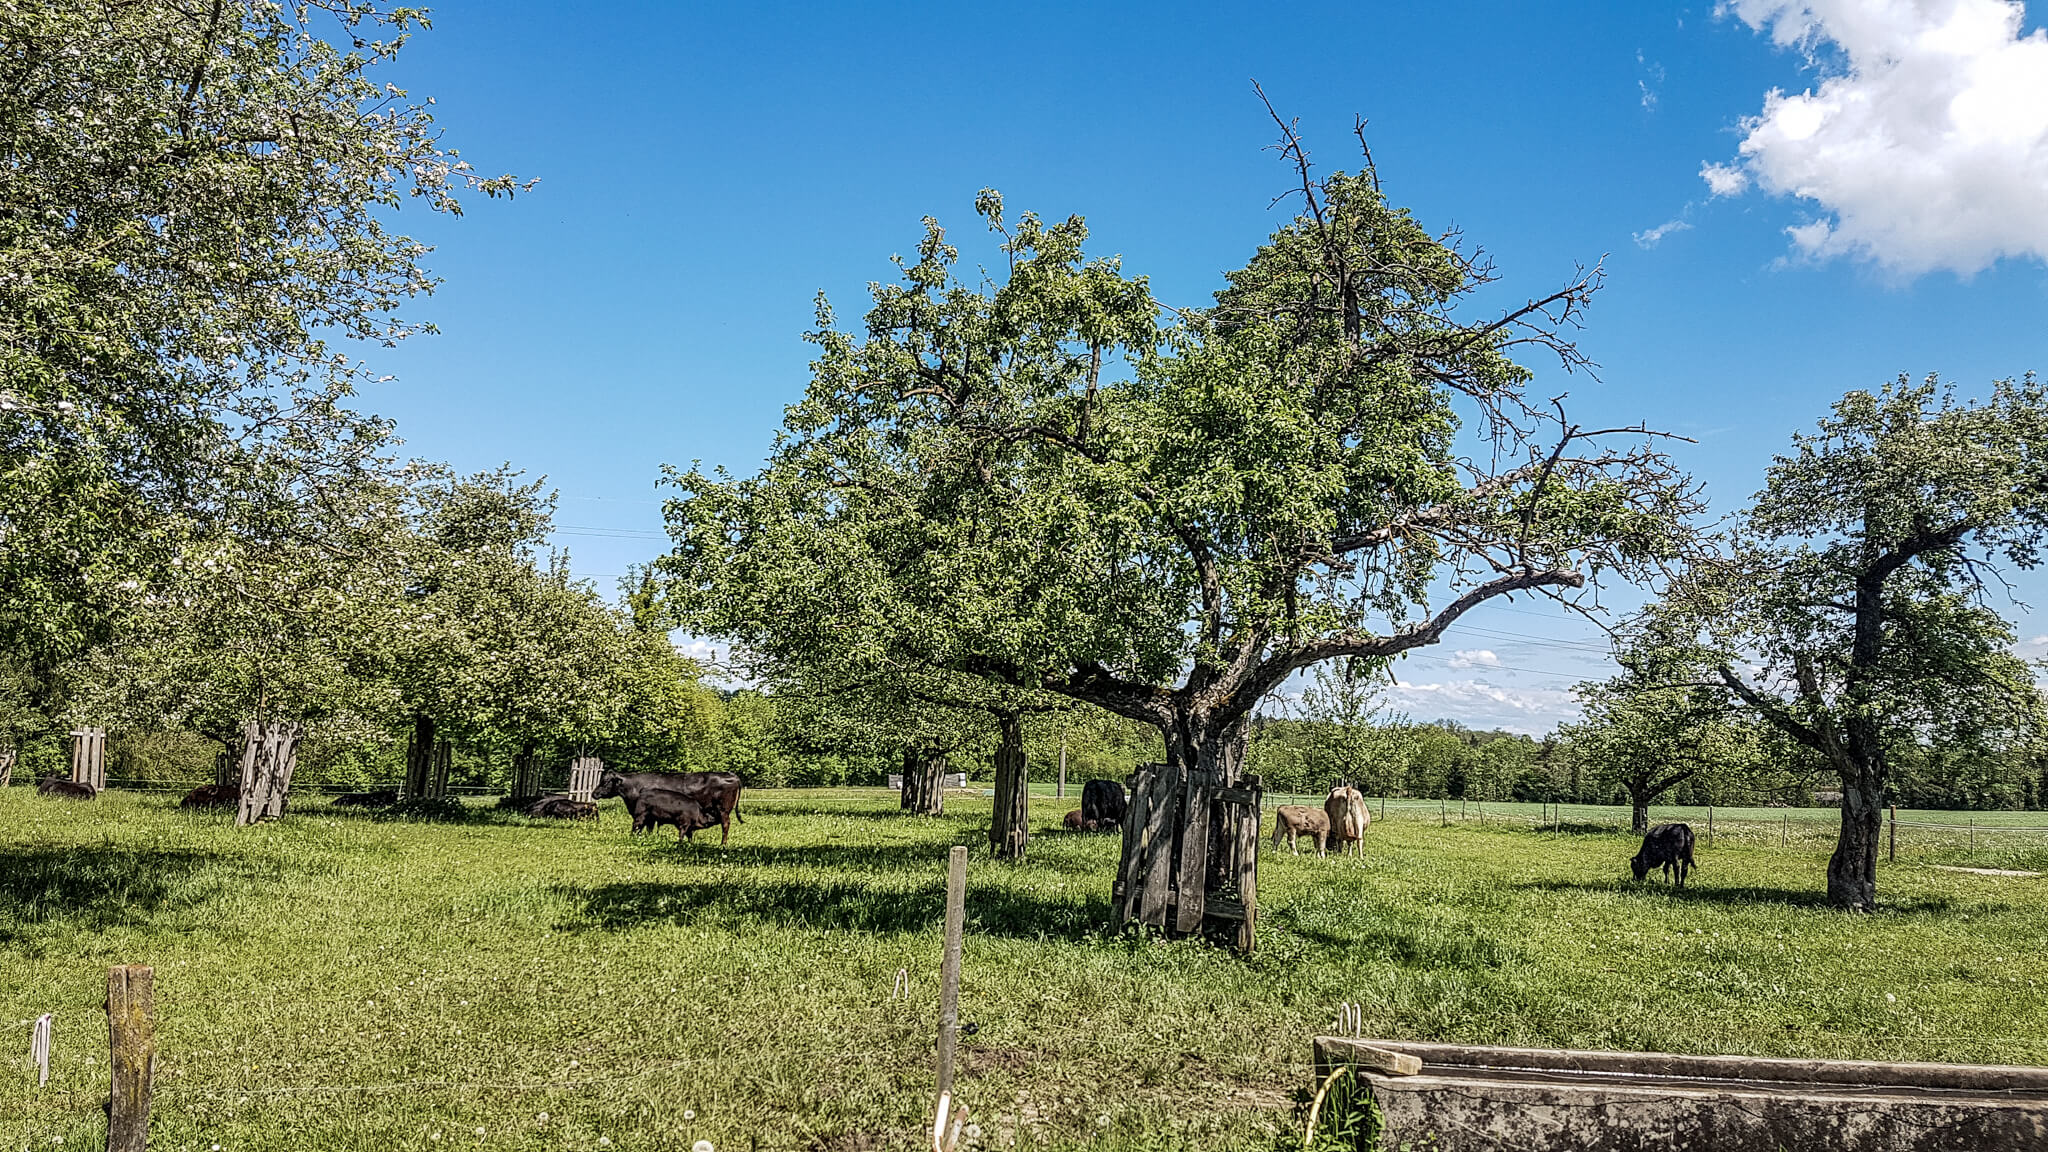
[1102, 801]
[688, 816]
[64, 789]
[1668, 846]
[212, 796]
[716, 793]
[561, 807]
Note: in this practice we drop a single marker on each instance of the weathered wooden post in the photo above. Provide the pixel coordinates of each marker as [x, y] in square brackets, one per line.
[1710, 825]
[1892, 849]
[444, 754]
[949, 968]
[1010, 826]
[131, 1026]
[419, 757]
[89, 757]
[6, 765]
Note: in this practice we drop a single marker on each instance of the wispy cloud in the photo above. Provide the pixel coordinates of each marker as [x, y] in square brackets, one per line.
[1651, 237]
[1474, 658]
[1484, 705]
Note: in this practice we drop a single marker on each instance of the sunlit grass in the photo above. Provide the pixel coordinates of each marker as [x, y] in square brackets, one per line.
[336, 981]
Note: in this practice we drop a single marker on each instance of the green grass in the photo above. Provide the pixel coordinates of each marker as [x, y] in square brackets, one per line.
[335, 981]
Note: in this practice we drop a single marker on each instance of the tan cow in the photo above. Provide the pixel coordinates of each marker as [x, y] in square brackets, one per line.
[1348, 818]
[1297, 820]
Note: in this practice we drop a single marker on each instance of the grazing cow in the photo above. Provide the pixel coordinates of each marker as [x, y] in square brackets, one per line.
[1668, 846]
[688, 816]
[1103, 802]
[560, 807]
[381, 798]
[1348, 818]
[1297, 820]
[717, 793]
[1078, 821]
[64, 789]
[212, 796]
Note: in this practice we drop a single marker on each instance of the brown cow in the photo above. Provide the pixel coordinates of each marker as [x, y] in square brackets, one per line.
[1297, 820]
[1078, 821]
[1348, 817]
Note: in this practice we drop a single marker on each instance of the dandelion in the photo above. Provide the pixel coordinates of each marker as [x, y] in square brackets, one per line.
[604, 1141]
[689, 1113]
[702, 1146]
[479, 1131]
[1890, 999]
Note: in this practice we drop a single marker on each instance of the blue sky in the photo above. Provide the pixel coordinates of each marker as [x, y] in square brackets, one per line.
[705, 170]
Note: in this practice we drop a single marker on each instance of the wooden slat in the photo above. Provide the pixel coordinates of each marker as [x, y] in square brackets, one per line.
[1156, 847]
[1193, 875]
[1334, 1050]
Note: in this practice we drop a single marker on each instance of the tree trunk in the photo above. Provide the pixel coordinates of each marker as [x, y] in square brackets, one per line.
[1010, 830]
[1852, 870]
[419, 757]
[924, 781]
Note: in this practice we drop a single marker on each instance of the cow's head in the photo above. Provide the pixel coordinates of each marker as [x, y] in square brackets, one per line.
[607, 785]
[1640, 865]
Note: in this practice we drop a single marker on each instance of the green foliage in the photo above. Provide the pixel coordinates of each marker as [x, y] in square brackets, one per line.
[192, 205]
[1030, 483]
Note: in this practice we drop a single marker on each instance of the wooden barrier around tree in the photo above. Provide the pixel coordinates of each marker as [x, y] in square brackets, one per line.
[583, 773]
[1191, 854]
[89, 757]
[270, 753]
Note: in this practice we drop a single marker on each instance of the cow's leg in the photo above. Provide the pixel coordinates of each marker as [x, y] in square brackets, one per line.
[724, 826]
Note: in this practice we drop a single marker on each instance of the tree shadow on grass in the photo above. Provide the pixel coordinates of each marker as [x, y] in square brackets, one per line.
[839, 905]
[99, 887]
[1743, 896]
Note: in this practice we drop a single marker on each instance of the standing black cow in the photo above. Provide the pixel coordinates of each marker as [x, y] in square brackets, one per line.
[716, 793]
[1667, 846]
[1102, 801]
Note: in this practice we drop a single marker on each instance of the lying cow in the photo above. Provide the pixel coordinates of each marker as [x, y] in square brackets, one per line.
[64, 789]
[1348, 816]
[560, 807]
[716, 793]
[212, 796]
[1103, 801]
[1297, 820]
[1667, 846]
[1078, 821]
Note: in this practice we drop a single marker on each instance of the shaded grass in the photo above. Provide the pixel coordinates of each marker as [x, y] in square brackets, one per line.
[497, 968]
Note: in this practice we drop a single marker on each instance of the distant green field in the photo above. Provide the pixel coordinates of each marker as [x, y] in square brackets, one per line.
[336, 981]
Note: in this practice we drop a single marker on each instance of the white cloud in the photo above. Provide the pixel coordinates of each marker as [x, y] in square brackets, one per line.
[1724, 179]
[1650, 238]
[1474, 658]
[2032, 648]
[1926, 145]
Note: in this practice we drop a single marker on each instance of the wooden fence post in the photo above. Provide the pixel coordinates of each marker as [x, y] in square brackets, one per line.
[1892, 852]
[949, 970]
[131, 1026]
[1710, 825]
[1784, 830]
[1973, 837]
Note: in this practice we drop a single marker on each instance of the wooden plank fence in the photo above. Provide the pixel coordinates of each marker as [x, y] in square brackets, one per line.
[1191, 859]
[89, 757]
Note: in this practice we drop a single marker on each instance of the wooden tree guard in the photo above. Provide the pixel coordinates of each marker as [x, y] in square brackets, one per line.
[444, 754]
[131, 1027]
[526, 773]
[270, 751]
[1010, 826]
[89, 757]
[6, 765]
[1191, 854]
[924, 782]
[583, 776]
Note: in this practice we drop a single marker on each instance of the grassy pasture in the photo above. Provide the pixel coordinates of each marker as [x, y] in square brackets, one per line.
[337, 981]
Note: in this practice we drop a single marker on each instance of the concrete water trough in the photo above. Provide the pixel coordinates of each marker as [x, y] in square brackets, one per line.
[1479, 1099]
